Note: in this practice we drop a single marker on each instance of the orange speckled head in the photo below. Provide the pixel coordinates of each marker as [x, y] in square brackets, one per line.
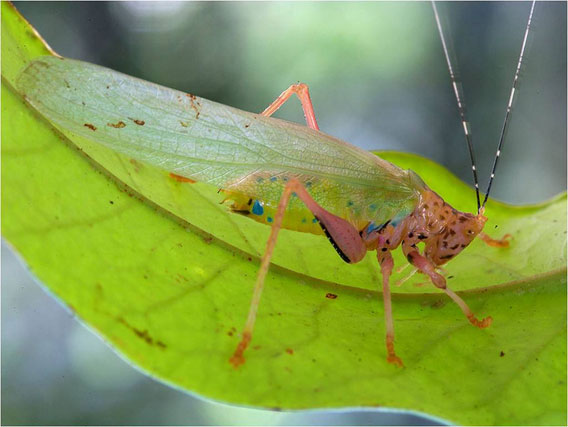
[449, 231]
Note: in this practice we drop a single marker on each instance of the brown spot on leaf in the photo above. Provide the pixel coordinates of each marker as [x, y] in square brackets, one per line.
[180, 178]
[329, 295]
[289, 351]
[502, 353]
[438, 303]
[90, 126]
[118, 125]
[184, 124]
[139, 122]
[142, 334]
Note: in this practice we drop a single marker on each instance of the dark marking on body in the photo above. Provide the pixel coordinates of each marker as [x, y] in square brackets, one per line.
[111, 202]
[90, 126]
[118, 125]
[247, 125]
[502, 353]
[410, 258]
[337, 248]
[329, 295]
[67, 85]
[447, 256]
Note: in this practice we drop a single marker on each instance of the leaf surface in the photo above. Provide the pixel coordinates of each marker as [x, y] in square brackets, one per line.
[163, 273]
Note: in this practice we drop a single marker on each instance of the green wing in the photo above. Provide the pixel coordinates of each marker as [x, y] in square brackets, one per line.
[210, 142]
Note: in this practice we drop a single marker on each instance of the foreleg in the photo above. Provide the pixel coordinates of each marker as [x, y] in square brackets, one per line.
[501, 243]
[426, 267]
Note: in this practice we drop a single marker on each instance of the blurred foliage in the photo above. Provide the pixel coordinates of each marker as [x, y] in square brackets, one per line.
[172, 297]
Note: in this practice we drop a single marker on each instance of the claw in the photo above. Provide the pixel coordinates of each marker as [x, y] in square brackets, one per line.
[238, 359]
[395, 360]
[482, 324]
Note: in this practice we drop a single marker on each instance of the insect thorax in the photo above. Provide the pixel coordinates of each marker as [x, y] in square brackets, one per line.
[444, 230]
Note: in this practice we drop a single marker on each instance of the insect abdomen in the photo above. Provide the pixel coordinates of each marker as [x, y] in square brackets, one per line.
[295, 219]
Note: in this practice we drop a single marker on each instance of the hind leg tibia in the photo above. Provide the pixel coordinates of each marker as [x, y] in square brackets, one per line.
[342, 234]
[386, 263]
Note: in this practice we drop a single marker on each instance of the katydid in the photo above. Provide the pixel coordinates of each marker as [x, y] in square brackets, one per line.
[276, 172]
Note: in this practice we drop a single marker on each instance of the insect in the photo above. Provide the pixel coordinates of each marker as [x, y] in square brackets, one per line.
[279, 173]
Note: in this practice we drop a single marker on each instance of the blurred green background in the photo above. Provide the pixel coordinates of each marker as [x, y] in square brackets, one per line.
[378, 79]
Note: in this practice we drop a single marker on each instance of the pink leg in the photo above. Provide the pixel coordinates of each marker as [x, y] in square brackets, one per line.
[303, 93]
[501, 243]
[343, 235]
[386, 263]
[428, 268]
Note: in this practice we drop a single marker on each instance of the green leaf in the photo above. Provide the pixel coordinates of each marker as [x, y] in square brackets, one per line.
[164, 274]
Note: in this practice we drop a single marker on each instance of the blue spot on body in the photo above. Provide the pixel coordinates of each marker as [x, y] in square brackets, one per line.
[259, 180]
[371, 227]
[315, 220]
[373, 206]
[304, 220]
[308, 184]
[257, 208]
[273, 178]
[349, 203]
[269, 218]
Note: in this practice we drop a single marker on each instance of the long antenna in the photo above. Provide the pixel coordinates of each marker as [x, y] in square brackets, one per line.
[461, 108]
[509, 105]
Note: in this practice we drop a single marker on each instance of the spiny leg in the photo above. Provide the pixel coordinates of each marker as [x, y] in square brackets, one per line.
[428, 268]
[497, 243]
[386, 262]
[301, 90]
[341, 233]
